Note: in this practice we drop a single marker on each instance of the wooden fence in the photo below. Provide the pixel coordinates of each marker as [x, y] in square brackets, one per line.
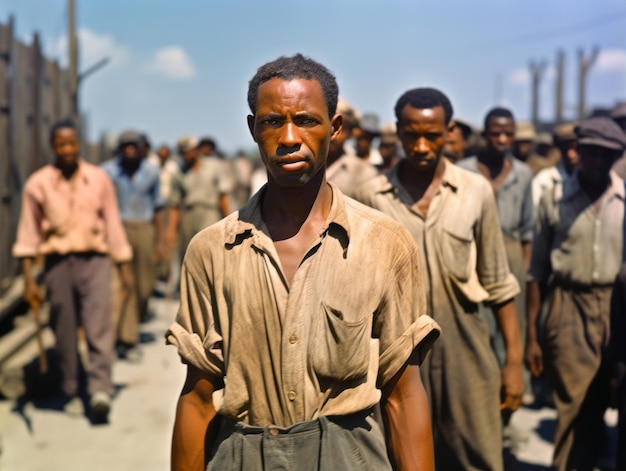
[34, 93]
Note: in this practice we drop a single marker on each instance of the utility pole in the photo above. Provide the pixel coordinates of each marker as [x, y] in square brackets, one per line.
[536, 73]
[560, 80]
[73, 59]
[584, 64]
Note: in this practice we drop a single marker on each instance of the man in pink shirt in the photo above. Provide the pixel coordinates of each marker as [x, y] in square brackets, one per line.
[70, 216]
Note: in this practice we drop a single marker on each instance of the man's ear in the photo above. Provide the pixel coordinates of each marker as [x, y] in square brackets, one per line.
[251, 126]
[337, 125]
[451, 126]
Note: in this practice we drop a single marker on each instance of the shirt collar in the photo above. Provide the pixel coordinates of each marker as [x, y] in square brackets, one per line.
[572, 186]
[250, 223]
[80, 174]
[449, 178]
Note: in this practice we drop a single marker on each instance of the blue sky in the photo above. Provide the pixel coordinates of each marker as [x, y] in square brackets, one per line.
[183, 67]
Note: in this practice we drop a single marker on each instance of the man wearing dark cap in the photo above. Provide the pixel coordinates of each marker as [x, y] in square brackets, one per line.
[388, 148]
[577, 253]
[619, 116]
[365, 133]
[138, 188]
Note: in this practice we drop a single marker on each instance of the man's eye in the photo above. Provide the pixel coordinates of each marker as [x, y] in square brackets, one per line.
[269, 121]
[432, 136]
[306, 121]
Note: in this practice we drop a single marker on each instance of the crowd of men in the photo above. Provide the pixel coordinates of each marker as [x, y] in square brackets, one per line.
[372, 297]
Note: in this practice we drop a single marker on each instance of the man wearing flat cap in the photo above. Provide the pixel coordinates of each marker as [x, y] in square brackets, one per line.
[137, 185]
[576, 255]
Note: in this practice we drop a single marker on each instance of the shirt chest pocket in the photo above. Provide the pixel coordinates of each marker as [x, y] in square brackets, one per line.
[339, 349]
[458, 253]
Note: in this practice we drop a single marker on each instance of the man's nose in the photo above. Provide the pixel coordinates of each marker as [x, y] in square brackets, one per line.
[290, 136]
[421, 146]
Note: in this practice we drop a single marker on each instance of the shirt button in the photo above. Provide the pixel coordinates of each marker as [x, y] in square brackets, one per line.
[291, 395]
[595, 275]
[293, 338]
[273, 431]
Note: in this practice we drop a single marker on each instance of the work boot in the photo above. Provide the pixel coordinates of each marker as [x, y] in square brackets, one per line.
[100, 406]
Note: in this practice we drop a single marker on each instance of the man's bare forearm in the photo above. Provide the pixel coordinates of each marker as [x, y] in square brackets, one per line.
[194, 427]
[407, 422]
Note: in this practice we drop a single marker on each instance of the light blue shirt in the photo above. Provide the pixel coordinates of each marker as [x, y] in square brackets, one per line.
[515, 201]
[139, 196]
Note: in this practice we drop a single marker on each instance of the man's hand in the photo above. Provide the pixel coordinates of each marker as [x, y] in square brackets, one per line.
[127, 279]
[32, 292]
[512, 386]
[534, 357]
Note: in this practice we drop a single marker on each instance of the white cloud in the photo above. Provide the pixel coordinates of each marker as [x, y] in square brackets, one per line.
[611, 60]
[172, 62]
[519, 77]
[92, 47]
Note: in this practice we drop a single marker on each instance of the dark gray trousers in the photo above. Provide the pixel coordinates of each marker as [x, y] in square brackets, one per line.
[341, 443]
[78, 287]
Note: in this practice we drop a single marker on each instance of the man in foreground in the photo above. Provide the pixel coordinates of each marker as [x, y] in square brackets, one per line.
[289, 312]
[452, 215]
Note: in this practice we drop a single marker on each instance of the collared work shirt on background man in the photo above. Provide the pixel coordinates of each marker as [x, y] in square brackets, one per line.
[564, 244]
[62, 216]
[139, 195]
[515, 203]
[350, 319]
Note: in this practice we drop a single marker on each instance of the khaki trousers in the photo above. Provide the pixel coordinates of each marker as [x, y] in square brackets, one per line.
[132, 307]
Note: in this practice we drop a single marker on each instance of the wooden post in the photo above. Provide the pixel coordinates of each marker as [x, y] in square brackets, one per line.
[584, 64]
[560, 74]
[536, 74]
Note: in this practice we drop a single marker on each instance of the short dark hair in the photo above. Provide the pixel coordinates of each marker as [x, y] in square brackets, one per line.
[498, 112]
[207, 141]
[291, 68]
[422, 98]
[62, 124]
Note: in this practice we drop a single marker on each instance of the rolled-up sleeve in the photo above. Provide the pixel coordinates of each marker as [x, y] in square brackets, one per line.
[119, 248]
[403, 325]
[194, 332]
[28, 231]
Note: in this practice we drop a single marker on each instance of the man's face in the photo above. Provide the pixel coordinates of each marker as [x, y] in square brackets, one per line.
[523, 148]
[422, 133]
[456, 143]
[569, 153]
[189, 156]
[596, 162]
[206, 149]
[500, 134]
[65, 146]
[364, 144]
[163, 152]
[129, 151]
[292, 129]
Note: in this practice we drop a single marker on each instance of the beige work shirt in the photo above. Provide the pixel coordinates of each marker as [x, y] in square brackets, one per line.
[575, 242]
[349, 172]
[460, 239]
[354, 313]
[61, 216]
